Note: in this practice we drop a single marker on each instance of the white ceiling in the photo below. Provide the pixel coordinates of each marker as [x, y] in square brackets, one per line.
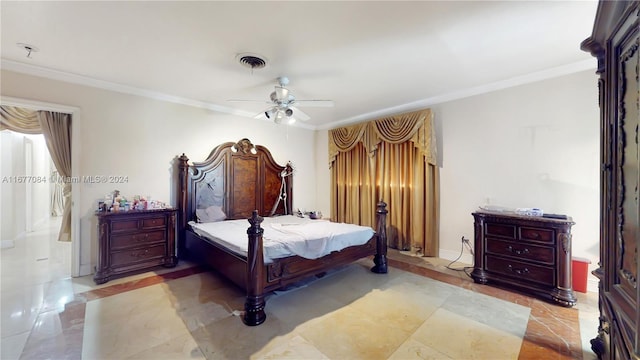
[370, 58]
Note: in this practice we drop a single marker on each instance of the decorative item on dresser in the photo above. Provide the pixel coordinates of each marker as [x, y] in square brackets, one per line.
[615, 42]
[528, 253]
[135, 240]
[222, 201]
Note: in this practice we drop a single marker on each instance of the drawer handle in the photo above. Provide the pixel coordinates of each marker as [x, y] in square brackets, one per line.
[139, 254]
[516, 251]
[141, 237]
[518, 271]
[534, 235]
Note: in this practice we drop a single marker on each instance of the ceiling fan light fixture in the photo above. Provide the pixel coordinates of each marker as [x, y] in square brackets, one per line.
[281, 94]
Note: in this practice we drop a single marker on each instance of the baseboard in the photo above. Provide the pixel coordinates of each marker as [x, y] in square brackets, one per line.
[453, 255]
[85, 270]
[7, 244]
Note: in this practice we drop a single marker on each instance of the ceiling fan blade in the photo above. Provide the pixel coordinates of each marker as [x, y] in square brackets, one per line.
[315, 103]
[253, 101]
[299, 114]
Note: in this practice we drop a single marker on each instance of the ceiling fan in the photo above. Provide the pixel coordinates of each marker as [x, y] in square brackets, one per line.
[283, 107]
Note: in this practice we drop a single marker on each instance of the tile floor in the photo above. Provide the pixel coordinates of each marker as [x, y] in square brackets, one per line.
[420, 310]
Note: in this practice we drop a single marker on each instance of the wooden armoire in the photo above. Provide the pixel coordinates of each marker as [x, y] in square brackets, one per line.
[615, 42]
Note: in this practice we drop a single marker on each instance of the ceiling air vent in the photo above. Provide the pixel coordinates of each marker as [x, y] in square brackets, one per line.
[252, 61]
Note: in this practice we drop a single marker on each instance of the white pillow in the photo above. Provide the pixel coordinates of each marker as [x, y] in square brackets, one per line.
[210, 214]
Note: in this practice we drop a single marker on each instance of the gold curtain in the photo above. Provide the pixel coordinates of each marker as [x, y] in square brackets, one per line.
[56, 128]
[353, 185]
[391, 159]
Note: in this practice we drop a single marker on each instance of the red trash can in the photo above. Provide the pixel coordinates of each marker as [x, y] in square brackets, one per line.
[580, 270]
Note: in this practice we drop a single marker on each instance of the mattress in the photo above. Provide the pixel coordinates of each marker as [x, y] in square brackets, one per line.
[286, 236]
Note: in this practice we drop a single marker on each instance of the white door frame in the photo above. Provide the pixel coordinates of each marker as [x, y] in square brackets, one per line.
[75, 167]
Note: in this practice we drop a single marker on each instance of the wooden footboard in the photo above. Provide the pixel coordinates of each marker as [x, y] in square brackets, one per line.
[262, 279]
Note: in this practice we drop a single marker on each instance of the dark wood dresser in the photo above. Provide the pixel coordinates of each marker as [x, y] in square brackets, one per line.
[527, 253]
[615, 42]
[135, 240]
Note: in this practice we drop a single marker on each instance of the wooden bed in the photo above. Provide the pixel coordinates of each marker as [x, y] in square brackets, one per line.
[247, 183]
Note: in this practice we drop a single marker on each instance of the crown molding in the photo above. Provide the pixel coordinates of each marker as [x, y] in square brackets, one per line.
[34, 70]
[588, 64]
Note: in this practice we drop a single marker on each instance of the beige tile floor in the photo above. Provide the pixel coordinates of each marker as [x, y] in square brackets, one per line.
[349, 314]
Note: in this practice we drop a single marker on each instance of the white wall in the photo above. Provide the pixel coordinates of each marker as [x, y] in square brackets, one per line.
[41, 169]
[139, 138]
[535, 145]
[8, 230]
[14, 185]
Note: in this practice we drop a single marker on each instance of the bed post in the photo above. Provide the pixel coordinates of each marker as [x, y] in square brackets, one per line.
[183, 166]
[380, 259]
[254, 306]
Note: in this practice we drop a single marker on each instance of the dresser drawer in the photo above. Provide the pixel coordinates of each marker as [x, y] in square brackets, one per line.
[536, 234]
[128, 257]
[136, 239]
[521, 250]
[154, 222]
[523, 271]
[503, 230]
[124, 225]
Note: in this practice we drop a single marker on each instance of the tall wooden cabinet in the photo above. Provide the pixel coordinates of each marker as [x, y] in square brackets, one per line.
[615, 42]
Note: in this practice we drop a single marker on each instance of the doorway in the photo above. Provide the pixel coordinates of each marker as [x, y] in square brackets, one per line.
[75, 246]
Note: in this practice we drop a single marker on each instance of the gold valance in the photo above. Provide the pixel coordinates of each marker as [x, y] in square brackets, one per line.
[414, 126]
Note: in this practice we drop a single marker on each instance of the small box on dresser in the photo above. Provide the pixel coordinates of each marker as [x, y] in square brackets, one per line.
[134, 240]
[527, 253]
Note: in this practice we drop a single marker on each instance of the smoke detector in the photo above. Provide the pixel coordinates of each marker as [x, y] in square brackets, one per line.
[252, 61]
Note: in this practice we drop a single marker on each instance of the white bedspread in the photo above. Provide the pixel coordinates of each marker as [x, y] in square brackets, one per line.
[287, 235]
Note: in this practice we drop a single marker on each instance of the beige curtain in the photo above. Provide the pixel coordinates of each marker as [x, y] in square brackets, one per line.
[57, 195]
[56, 128]
[391, 159]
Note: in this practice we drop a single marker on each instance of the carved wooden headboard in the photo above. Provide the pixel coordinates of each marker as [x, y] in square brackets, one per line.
[239, 177]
